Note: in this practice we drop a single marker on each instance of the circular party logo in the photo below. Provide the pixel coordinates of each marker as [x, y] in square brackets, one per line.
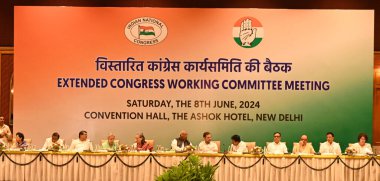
[248, 32]
[146, 31]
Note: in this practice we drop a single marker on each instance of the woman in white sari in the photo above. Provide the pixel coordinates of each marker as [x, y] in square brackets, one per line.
[361, 147]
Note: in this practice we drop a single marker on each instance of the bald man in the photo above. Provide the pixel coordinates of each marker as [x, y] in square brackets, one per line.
[302, 147]
[179, 144]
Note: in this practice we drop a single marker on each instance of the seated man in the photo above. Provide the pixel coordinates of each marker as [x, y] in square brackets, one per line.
[330, 147]
[207, 146]
[53, 140]
[81, 144]
[277, 147]
[110, 143]
[303, 147]
[179, 144]
[237, 145]
[5, 132]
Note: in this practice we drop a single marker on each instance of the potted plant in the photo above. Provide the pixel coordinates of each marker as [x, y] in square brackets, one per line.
[55, 147]
[257, 150]
[189, 170]
[350, 151]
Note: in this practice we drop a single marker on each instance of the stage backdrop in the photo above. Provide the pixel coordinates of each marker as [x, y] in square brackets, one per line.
[161, 70]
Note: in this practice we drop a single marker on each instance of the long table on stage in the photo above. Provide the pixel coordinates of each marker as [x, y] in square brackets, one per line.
[136, 166]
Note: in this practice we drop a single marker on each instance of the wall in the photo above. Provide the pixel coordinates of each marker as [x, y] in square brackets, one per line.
[6, 8]
[6, 32]
[6, 69]
[376, 100]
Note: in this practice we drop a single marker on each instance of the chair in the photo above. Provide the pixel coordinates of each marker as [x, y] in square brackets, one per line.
[115, 141]
[217, 144]
[376, 149]
[250, 145]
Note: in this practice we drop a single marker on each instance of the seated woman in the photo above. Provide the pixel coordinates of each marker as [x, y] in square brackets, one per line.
[361, 147]
[140, 143]
[20, 142]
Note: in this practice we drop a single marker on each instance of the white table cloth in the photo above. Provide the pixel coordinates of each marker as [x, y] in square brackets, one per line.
[78, 170]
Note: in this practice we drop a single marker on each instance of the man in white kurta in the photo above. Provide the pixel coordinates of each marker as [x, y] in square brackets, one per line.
[81, 144]
[237, 145]
[330, 147]
[276, 147]
[5, 132]
[207, 146]
[54, 139]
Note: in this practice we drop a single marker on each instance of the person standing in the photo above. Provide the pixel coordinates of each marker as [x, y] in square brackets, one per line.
[5, 132]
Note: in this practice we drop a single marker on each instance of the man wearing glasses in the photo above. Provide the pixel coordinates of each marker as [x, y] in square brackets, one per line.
[303, 147]
[330, 147]
[277, 147]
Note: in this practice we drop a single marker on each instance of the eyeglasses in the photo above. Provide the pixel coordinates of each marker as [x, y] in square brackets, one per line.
[277, 136]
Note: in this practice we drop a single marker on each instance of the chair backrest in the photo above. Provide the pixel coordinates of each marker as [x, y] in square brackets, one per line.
[376, 149]
[217, 144]
[297, 143]
[28, 140]
[150, 142]
[115, 141]
[320, 144]
[250, 145]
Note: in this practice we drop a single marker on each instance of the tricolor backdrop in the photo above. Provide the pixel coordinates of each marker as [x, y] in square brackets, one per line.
[58, 45]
